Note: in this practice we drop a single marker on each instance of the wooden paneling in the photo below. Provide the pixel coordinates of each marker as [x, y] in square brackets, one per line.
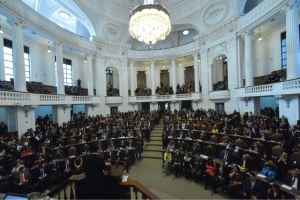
[188, 75]
[165, 77]
[141, 79]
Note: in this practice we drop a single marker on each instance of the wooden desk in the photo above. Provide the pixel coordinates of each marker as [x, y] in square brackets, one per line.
[264, 179]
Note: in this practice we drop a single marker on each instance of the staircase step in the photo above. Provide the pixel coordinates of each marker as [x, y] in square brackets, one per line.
[149, 144]
[151, 154]
[153, 148]
[155, 142]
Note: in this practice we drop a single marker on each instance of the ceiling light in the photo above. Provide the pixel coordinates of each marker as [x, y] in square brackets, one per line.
[149, 22]
[64, 15]
[61, 25]
[1, 30]
[180, 64]
[49, 50]
[186, 32]
[259, 36]
[84, 59]
[217, 58]
[163, 38]
[198, 60]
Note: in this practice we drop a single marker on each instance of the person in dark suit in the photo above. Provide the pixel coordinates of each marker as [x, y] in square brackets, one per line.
[252, 188]
[110, 155]
[222, 177]
[54, 171]
[67, 168]
[293, 179]
[93, 168]
[22, 181]
[284, 164]
[225, 156]
[41, 178]
[246, 162]
[127, 158]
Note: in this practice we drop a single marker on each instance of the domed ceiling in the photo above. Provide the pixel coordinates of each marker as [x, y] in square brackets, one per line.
[108, 19]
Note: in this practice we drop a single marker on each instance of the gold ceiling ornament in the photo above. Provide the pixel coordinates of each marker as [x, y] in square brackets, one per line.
[149, 22]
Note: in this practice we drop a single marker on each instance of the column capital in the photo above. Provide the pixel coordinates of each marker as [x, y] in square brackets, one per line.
[246, 33]
[16, 22]
[203, 52]
[123, 62]
[90, 54]
[152, 61]
[131, 61]
[289, 5]
[195, 53]
[100, 58]
[58, 44]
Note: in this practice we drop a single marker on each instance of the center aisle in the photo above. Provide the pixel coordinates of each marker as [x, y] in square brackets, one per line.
[154, 147]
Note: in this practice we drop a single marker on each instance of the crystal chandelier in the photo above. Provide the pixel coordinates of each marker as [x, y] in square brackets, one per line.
[149, 22]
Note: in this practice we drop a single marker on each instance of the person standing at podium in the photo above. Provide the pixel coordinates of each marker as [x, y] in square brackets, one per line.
[93, 167]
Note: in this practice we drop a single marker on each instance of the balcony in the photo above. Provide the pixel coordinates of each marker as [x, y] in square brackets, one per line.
[273, 89]
[159, 98]
[113, 100]
[220, 96]
[21, 99]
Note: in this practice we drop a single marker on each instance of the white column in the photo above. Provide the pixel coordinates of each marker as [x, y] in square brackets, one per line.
[152, 77]
[60, 84]
[132, 78]
[292, 40]
[174, 74]
[196, 72]
[90, 80]
[18, 56]
[249, 71]
[210, 81]
[204, 70]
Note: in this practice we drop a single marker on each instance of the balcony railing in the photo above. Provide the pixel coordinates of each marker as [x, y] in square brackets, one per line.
[159, 98]
[259, 89]
[14, 96]
[291, 85]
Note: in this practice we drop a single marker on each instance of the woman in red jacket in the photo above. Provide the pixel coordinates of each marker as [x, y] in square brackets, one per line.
[210, 172]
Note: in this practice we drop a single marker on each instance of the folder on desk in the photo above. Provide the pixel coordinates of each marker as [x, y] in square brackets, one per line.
[286, 187]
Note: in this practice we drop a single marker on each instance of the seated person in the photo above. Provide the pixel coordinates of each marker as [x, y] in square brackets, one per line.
[26, 151]
[215, 129]
[236, 181]
[198, 171]
[187, 165]
[39, 160]
[17, 166]
[222, 177]
[292, 179]
[177, 163]
[22, 180]
[110, 155]
[210, 172]
[246, 162]
[67, 170]
[268, 171]
[54, 172]
[171, 145]
[275, 193]
[41, 181]
[58, 155]
[284, 164]
[252, 188]
[225, 156]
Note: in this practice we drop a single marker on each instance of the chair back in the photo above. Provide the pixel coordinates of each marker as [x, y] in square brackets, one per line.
[296, 156]
[71, 141]
[210, 151]
[72, 151]
[214, 139]
[277, 151]
[240, 143]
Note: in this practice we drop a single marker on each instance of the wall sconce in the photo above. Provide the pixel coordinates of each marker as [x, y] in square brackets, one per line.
[287, 101]
[64, 109]
[93, 105]
[26, 113]
[246, 99]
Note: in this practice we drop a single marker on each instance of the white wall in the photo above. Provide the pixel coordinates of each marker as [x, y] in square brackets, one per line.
[78, 108]
[43, 111]
[3, 115]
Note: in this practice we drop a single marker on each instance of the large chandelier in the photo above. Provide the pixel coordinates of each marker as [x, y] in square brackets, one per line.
[149, 22]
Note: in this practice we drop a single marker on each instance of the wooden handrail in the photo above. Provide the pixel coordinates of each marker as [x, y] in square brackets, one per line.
[138, 186]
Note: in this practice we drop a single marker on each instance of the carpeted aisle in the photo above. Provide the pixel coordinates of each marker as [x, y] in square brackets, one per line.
[148, 171]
